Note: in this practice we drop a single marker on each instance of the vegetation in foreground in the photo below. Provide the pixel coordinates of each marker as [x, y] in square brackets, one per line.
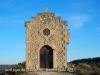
[89, 66]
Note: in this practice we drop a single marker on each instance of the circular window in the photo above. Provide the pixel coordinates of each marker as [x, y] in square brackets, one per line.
[46, 31]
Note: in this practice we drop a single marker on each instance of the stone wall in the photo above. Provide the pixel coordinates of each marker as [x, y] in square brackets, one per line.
[35, 39]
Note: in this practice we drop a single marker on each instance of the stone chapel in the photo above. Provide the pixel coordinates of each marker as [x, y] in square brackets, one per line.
[46, 41]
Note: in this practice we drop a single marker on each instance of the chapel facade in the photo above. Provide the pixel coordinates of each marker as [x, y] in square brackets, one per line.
[46, 41]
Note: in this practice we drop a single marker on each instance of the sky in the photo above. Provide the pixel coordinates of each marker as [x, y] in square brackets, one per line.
[83, 18]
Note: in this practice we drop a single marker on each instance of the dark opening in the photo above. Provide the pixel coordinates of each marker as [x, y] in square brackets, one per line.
[46, 57]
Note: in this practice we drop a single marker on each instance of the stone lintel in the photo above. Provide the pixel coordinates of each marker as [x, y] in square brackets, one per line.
[32, 17]
[41, 13]
[26, 23]
[58, 17]
[65, 23]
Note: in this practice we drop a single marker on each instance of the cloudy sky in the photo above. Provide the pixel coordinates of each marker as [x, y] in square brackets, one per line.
[83, 18]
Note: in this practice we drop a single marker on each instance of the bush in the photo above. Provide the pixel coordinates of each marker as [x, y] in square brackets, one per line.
[85, 66]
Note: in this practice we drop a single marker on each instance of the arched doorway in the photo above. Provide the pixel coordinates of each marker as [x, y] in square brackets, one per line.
[46, 57]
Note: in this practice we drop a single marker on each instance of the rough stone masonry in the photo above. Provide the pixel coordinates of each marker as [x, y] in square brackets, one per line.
[46, 39]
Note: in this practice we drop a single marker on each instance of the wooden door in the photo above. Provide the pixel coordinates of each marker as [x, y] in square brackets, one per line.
[46, 57]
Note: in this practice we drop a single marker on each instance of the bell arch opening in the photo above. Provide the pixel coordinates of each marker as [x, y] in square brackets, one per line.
[46, 57]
